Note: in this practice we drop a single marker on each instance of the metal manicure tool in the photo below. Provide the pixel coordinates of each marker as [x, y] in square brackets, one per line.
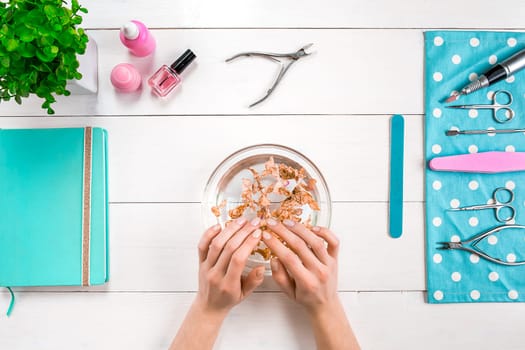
[276, 57]
[496, 73]
[481, 132]
[495, 106]
[470, 245]
[499, 205]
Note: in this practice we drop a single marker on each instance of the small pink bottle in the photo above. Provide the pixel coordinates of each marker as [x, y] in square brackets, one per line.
[167, 77]
[125, 77]
[137, 38]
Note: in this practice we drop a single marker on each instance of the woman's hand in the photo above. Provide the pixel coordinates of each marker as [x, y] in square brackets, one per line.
[222, 258]
[306, 269]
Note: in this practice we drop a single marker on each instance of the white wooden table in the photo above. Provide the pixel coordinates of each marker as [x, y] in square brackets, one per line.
[333, 106]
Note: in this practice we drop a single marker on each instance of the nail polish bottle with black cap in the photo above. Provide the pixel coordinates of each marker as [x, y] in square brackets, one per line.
[167, 77]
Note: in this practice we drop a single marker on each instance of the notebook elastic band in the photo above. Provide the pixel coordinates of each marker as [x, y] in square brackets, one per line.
[86, 209]
[12, 303]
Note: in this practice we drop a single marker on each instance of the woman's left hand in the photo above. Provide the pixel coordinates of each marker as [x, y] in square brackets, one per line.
[222, 257]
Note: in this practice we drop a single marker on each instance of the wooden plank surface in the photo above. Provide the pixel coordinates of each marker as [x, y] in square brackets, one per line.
[388, 320]
[308, 13]
[178, 154]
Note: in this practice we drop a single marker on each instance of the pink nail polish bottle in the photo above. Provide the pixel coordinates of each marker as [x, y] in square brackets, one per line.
[125, 77]
[168, 77]
[137, 38]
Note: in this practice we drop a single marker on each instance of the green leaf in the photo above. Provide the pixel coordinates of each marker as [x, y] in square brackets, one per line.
[50, 11]
[18, 99]
[33, 77]
[47, 54]
[11, 45]
[27, 50]
[52, 79]
[65, 39]
[45, 39]
[61, 73]
[27, 35]
[42, 56]
[5, 61]
[65, 20]
[75, 6]
[76, 20]
[4, 29]
[41, 92]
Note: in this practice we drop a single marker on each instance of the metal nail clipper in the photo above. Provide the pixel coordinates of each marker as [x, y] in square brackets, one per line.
[276, 57]
[470, 245]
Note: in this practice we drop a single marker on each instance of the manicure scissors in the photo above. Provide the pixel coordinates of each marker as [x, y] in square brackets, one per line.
[508, 114]
[470, 245]
[275, 57]
[498, 205]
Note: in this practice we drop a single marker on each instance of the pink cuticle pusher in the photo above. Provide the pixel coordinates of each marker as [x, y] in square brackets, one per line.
[484, 162]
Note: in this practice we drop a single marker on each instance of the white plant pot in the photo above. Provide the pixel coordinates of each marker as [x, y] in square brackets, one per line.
[89, 70]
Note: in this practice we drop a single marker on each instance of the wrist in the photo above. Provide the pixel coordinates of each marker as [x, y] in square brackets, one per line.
[331, 327]
[199, 329]
[330, 310]
[212, 315]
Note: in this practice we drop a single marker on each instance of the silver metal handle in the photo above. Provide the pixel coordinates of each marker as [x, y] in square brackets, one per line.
[514, 63]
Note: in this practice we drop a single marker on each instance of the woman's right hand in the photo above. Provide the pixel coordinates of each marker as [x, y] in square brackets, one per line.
[306, 269]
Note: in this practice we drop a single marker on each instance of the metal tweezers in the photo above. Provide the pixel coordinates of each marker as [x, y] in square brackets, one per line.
[274, 57]
[475, 250]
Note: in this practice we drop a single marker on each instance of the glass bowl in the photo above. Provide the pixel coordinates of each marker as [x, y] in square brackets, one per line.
[225, 184]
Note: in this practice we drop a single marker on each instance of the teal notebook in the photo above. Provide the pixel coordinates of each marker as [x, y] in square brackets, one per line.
[53, 207]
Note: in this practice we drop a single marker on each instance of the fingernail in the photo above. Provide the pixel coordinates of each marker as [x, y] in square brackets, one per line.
[316, 229]
[216, 227]
[259, 273]
[256, 233]
[266, 235]
[271, 222]
[274, 264]
[255, 222]
[241, 221]
[289, 223]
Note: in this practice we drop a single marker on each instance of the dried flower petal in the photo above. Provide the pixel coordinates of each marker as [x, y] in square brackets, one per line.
[217, 209]
[237, 212]
[310, 184]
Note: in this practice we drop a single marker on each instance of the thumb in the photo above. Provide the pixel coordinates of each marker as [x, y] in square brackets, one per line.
[282, 278]
[253, 280]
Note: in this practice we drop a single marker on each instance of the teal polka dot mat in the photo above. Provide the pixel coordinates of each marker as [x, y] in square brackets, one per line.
[452, 60]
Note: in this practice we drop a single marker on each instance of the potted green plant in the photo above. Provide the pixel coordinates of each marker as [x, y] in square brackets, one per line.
[40, 41]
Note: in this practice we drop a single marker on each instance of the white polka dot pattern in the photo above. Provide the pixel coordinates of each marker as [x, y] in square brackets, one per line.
[453, 59]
